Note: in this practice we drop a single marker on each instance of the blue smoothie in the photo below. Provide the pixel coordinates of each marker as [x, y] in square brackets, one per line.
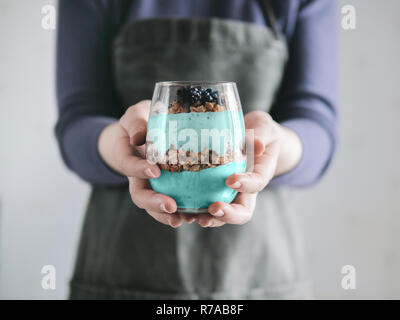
[187, 129]
[197, 189]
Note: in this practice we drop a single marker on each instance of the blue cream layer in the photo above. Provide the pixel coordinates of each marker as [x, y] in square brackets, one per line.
[198, 189]
[194, 131]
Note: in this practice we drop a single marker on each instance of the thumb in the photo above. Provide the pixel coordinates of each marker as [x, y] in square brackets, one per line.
[134, 121]
[259, 147]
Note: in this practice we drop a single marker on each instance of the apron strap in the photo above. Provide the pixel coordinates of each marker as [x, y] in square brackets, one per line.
[265, 5]
[124, 8]
[269, 15]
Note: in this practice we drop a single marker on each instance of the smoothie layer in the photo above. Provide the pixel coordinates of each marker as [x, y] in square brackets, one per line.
[185, 130]
[198, 189]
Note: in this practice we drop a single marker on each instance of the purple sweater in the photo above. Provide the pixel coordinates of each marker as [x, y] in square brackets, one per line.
[87, 103]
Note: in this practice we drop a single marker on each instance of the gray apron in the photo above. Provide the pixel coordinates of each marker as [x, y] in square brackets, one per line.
[124, 253]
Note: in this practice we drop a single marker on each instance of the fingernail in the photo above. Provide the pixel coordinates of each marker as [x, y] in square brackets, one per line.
[219, 213]
[149, 173]
[235, 185]
[163, 208]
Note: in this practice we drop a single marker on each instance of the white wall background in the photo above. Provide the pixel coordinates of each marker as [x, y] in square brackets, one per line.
[41, 202]
[352, 217]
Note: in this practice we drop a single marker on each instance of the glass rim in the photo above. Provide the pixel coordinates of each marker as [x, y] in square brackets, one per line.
[194, 83]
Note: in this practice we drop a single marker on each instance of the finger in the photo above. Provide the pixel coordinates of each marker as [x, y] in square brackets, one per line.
[136, 129]
[174, 220]
[263, 126]
[216, 223]
[146, 198]
[134, 121]
[205, 219]
[189, 218]
[208, 221]
[263, 129]
[263, 171]
[132, 165]
[259, 147]
[238, 212]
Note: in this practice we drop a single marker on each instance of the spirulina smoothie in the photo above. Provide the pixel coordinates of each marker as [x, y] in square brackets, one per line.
[197, 147]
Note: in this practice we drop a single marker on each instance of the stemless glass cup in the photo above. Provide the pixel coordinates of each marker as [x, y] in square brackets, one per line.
[196, 135]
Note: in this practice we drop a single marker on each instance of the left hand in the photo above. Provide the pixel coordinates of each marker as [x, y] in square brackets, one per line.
[276, 150]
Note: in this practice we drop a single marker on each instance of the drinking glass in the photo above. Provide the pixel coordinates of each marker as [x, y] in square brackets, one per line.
[196, 135]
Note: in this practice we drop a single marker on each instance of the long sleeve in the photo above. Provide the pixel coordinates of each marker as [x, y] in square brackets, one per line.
[85, 94]
[306, 102]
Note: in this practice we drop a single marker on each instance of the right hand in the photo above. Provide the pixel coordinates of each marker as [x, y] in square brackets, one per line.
[121, 145]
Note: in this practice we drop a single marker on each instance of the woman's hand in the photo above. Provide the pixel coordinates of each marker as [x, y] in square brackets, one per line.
[276, 150]
[121, 145]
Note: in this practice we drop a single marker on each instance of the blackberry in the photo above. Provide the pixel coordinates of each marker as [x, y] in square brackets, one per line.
[209, 96]
[195, 95]
[190, 95]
